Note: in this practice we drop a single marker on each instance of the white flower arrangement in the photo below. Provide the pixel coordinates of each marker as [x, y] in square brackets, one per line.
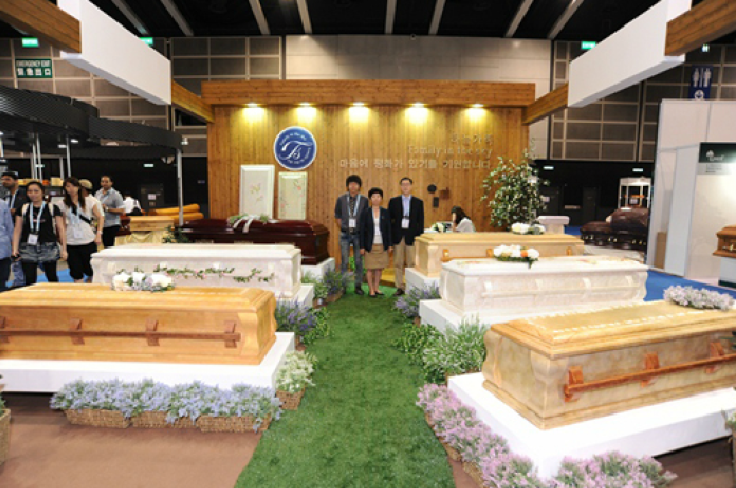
[516, 253]
[439, 227]
[525, 229]
[700, 299]
[296, 371]
[139, 281]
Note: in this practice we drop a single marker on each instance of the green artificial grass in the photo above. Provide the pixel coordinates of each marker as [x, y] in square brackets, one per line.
[359, 426]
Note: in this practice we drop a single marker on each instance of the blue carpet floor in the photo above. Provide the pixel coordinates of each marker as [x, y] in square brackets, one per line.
[572, 230]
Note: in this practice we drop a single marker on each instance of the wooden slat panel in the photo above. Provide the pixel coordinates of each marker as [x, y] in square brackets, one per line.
[191, 103]
[548, 104]
[704, 23]
[374, 92]
[245, 136]
[43, 19]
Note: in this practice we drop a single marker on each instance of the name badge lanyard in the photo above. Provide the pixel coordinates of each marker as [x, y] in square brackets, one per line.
[12, 199]
[352, 219]
[38, 219]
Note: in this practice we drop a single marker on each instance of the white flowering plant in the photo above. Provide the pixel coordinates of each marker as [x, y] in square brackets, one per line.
[701, 299]
[439, 227]
[528, 229]
[296, 372]
[516, 253]
[140, 281]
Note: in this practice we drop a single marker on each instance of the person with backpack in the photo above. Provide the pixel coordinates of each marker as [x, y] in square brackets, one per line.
[79, 209]
[39, 233]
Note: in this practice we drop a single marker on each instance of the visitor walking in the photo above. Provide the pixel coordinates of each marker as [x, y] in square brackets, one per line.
[39, 230]
[15, 200]
[461, 222]
[375, 239]
[81, 239]
[407, 223]
[6, 246]
[112, 205]
[131, 205]
[349, 209]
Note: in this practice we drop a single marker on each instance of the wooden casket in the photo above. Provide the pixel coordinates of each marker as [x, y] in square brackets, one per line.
[434, 249]
[596, 233]
[726, 242]
[90, 322]
[565, 368]
[311, 237]
[482, 286]
[271, 267]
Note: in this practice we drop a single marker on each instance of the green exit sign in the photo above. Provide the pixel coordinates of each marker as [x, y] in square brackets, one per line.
[147, 40]
[588, 45]
[29, 42]
[34, 68]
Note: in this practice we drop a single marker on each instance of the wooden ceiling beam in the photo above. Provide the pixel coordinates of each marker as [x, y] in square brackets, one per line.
[704, 23]
[191, 103]
[546, 105]
[43, 19]
[372, 92]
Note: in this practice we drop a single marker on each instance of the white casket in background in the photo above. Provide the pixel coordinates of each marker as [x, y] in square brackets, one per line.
[280, 260]
[555, 224]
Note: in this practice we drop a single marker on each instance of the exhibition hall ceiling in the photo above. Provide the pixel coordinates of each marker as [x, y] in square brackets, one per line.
[591, 20]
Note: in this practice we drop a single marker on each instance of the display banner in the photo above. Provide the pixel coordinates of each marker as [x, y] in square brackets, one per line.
[717, 159]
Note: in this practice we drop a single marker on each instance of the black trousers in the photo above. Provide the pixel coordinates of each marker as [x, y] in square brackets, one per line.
[4, 273]
[30, 270]
[80, 259]
[108, 235]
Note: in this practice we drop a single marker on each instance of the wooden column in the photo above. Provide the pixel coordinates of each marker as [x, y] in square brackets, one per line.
[705, 22]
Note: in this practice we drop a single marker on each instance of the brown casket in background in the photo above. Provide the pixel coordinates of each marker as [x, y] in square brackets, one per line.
[726, 242]
[565, 368]
[90, 322]
[309, 236]
[596, 233]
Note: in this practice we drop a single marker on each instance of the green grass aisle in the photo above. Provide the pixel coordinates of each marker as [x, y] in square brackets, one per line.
[359, 426]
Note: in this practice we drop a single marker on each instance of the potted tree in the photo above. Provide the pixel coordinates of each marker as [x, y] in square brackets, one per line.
[4, 430]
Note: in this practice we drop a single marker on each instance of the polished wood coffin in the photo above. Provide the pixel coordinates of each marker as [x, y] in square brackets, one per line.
[434, 249]
[565, 368]
[309, 236]
[90, 322]
[726, 242]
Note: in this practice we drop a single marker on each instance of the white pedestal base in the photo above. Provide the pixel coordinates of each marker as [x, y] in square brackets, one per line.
[305, 296]
[415, 279]
[49, 376]
[646, 431]
[320, 269]
[728, 272]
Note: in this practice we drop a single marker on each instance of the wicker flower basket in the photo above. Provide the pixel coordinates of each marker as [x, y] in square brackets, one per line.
[474, 471]
[290, 401]
[236, 425]
[97, 418]
[157, 420]
[4, 435]
[335, 297]
[452, 453]
[318, 303]
[418, 321]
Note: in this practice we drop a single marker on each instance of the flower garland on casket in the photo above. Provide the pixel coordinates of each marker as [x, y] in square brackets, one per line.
[516, 253]
[139, 281]
[527, 229]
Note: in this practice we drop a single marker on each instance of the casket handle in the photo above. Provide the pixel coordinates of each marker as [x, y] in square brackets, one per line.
[446, 256]
[3, 339]
[577, 385]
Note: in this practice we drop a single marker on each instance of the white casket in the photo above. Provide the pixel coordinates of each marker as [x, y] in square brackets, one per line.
[490, 286]
[272, 267]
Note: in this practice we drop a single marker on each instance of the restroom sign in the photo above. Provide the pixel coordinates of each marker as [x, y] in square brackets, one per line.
[701, 79]
[34, 68]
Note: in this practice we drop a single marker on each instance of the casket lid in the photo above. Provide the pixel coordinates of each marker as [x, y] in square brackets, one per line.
[571, 334]
[498, 238]
[552, 265]
[177, 252]
[728, 231]
[98, 296]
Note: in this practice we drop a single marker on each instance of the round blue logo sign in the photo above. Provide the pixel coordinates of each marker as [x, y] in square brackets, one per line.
[295, 148]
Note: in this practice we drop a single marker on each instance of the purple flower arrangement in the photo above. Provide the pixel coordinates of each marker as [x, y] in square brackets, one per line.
[408, 304]
[701, 299]
[292, 317]
[191, 400]
[456, 424]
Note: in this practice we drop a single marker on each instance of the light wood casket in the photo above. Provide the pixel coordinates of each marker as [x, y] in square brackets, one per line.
[472, 286]
[90, 322]
[434, 249]
[565, 368]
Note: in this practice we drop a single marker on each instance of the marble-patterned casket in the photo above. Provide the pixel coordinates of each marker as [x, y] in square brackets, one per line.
[272, 267]
[90, 322]
[434, 249]
[478, 286]
[564, 368]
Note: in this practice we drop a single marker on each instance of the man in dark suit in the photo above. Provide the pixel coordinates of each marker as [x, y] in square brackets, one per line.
[407, 223]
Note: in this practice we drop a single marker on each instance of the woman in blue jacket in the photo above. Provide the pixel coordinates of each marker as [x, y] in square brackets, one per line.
[375, 239]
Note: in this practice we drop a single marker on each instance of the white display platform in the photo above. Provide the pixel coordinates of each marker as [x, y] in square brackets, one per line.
[637, 256]
[49, 376]
[728, 271]
[320, 269]
[416, 279]
[646, 431]
[439, 315]
[305, 296]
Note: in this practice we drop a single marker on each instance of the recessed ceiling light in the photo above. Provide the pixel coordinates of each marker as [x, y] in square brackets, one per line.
[252, 105]
[418, 105]
[358, 104]
[477, 105]
[305, 104]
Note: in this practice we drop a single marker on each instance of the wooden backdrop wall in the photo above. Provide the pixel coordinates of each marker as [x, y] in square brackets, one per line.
[359, 140]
